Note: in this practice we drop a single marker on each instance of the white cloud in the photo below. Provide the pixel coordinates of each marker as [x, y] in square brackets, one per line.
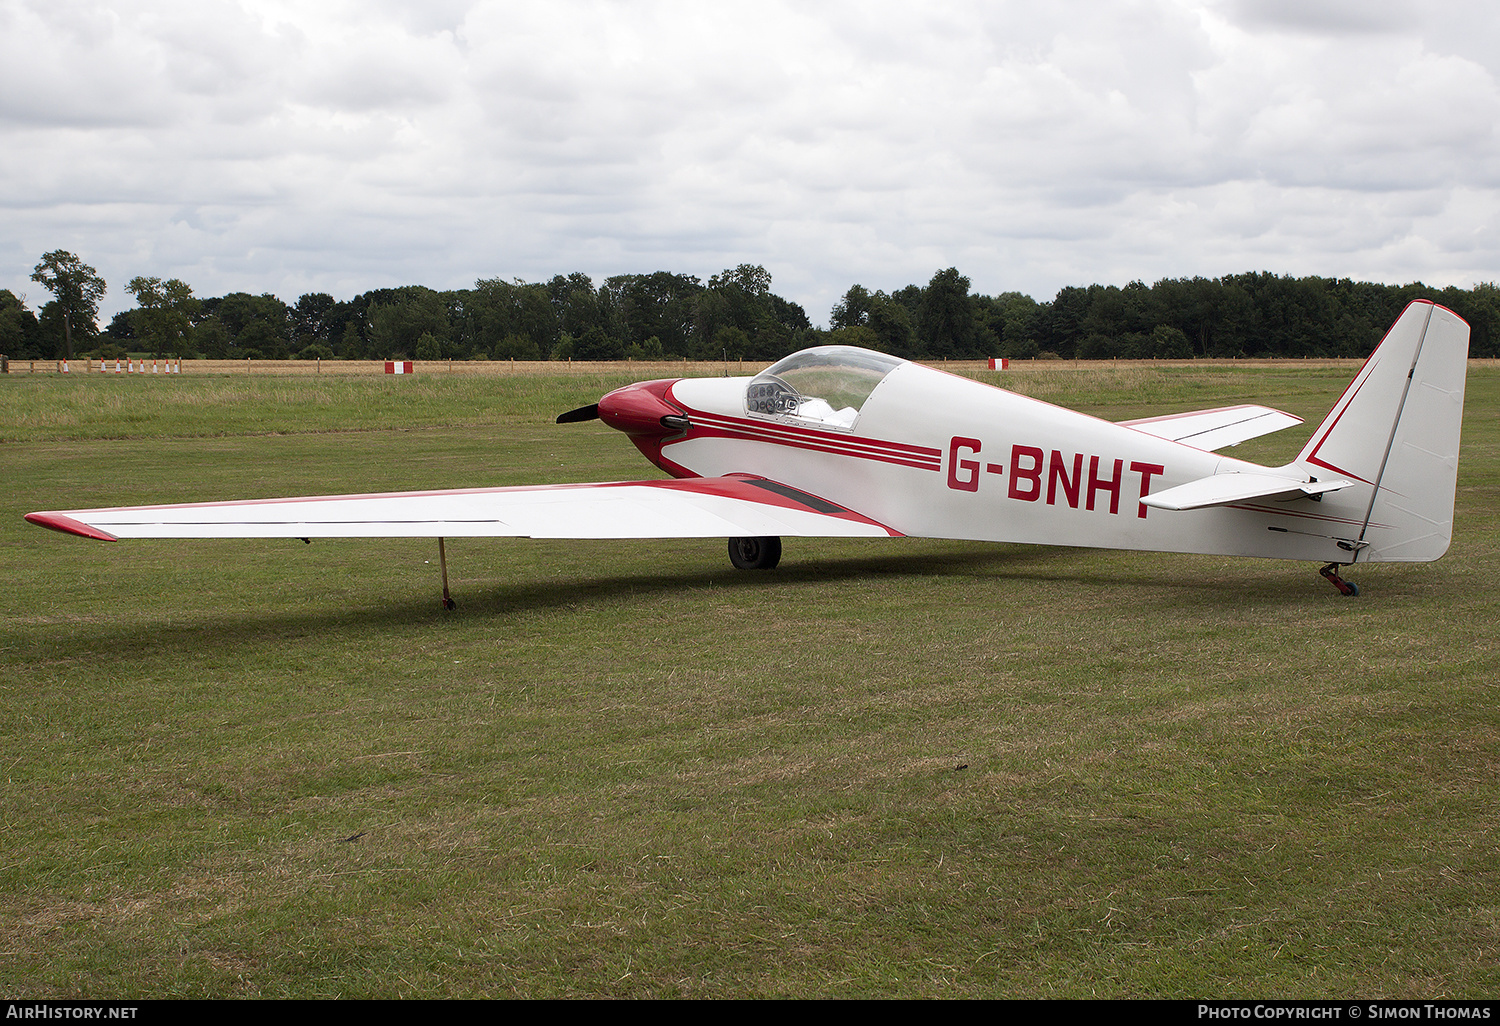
[284, 147]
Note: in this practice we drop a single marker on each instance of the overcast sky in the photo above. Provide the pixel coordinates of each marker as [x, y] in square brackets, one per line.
[291, 147]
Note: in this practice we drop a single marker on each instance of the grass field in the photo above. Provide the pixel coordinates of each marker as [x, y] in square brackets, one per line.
[888, 769]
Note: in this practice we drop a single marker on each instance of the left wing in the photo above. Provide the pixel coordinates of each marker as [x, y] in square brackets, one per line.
[1214, 429]
[718, 507]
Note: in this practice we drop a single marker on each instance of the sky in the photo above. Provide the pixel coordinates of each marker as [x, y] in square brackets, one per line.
[310, 146]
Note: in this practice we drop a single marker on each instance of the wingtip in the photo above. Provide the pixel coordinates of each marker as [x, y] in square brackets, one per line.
[67, 525]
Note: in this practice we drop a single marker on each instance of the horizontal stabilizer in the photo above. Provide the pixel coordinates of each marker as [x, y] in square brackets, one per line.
[1222, 489]
[1214, 429]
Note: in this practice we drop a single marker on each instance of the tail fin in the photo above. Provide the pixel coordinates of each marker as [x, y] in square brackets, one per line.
[1396, 430]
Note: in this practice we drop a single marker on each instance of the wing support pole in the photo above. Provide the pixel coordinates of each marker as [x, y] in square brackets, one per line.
[448, 602]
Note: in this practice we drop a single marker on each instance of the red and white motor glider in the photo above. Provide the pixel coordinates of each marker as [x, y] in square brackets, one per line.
[844, 442]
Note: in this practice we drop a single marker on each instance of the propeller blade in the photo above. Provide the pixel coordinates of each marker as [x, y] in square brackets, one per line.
[590, 412]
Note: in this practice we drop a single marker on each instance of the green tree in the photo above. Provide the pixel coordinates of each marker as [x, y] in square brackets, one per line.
[165, 318]
[732, 342]
[1065, 317]
[1020, 323]
[765, 326]
[892, 324]
[595, 344]
[255, 326]
[946, 323]
[121, 326]
[396, 327]
[351, 342]
[312, 319]
[660, 305]
[1169, 343]
[751, 279]
[77, 289]
[18, 326]
[853, 310]
[858, 335]
[575, 303]
[212, 340]
[647, 350]
[499, 310]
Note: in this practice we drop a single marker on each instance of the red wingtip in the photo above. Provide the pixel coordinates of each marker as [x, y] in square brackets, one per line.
[67, 525]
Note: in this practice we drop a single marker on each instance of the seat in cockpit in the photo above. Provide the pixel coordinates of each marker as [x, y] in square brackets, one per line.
[826, 385]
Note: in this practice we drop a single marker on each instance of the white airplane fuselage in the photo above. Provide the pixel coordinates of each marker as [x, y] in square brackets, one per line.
[979, 462]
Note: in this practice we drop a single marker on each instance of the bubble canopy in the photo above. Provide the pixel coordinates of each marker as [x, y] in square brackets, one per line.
[826, 385]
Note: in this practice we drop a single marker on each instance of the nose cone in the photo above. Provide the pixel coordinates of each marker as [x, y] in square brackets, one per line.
[638, 409]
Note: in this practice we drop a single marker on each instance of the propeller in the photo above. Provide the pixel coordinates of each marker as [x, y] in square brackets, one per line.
[641, 409]
[590, 412]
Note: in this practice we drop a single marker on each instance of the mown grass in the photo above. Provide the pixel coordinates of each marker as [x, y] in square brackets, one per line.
[83, 407]
[622, 769]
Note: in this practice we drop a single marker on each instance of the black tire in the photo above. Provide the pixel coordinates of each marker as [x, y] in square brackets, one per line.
[755, 553]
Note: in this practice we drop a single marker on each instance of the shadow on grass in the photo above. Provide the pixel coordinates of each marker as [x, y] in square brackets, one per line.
[1183, 583]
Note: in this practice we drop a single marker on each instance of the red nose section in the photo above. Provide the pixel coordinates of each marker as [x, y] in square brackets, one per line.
[638, 410]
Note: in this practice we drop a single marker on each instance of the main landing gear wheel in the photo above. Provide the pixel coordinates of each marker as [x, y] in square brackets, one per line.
[755, 553]
[1331, 572]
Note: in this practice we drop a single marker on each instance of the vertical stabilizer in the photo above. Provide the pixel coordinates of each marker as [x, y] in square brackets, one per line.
[1396, 430]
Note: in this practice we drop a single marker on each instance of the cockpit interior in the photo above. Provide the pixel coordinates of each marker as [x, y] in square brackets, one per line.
[826, 385]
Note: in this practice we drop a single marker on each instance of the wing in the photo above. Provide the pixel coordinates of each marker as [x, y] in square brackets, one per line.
[1214, 429]
[719, 507]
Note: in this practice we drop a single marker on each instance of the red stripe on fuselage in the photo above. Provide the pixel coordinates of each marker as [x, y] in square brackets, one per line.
[812, 444]
[714, 425]
[1321, 517]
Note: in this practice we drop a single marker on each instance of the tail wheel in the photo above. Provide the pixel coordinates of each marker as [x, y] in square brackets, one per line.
[755, 553]
[1331, 574]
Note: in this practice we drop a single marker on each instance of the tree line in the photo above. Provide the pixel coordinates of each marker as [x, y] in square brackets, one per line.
[734, 314]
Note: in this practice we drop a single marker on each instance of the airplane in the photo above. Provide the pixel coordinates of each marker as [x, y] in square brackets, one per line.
[837, 441]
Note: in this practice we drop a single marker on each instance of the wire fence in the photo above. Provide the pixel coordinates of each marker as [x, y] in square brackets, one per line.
[164, 367]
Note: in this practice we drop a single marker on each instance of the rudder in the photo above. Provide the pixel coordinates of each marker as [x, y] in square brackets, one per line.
[1396, 429]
